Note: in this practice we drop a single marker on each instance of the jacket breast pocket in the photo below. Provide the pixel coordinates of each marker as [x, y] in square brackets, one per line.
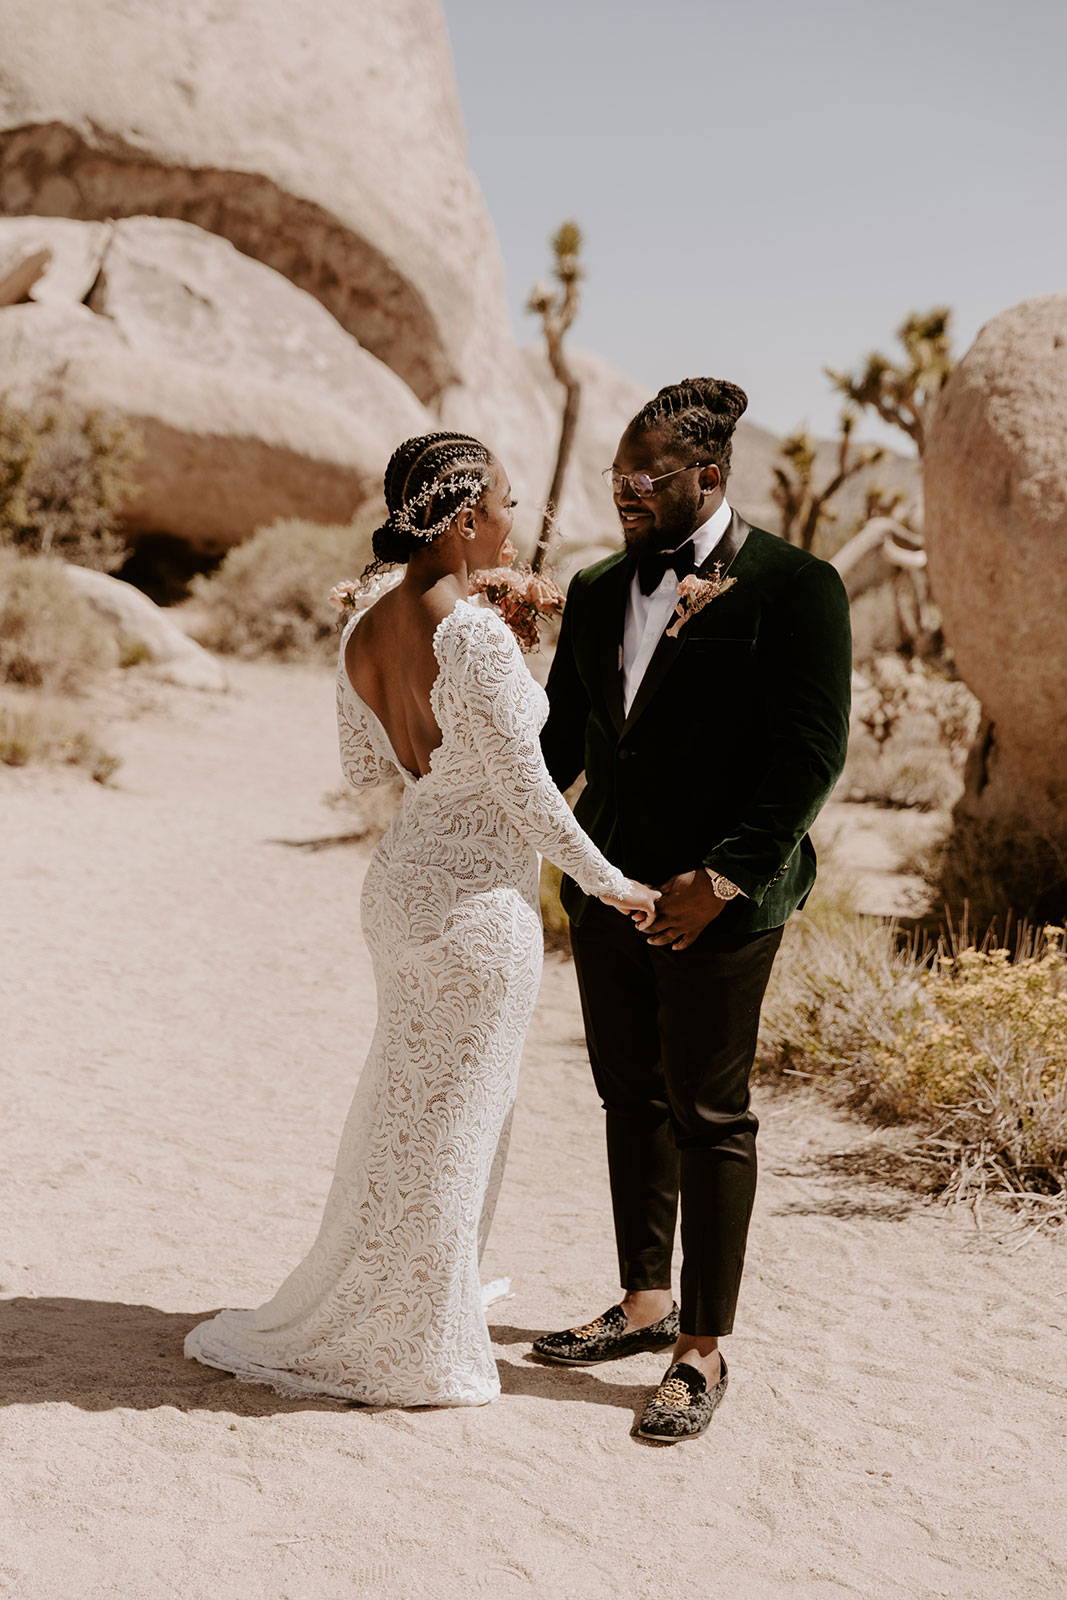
[726, 646]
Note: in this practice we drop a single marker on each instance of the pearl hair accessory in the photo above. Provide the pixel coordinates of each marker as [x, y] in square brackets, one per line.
[473, 486]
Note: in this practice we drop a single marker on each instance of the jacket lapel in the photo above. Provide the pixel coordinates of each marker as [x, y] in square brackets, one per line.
[612, 621]
[666, 652]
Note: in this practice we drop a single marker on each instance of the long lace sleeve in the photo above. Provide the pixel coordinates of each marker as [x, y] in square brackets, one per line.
[360, 762]
[496, 698]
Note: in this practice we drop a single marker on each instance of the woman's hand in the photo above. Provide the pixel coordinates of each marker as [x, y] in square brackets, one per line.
[640, 903]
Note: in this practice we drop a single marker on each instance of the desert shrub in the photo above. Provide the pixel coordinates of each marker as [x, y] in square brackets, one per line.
[36, 729]
[50, 637]
[911, 730]
[18, 448]
[270, 594]
[969, 1044]
[875, 623]
[64, 477]
[921, 778]
[997, 874]
[989, 1045]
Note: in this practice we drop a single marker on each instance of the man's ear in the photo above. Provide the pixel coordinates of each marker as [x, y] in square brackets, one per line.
[710, 478]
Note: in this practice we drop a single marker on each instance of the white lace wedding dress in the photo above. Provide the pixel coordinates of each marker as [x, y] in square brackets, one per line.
[387, 1307]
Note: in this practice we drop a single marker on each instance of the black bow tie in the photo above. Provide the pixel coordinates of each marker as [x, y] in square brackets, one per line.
[651, 568]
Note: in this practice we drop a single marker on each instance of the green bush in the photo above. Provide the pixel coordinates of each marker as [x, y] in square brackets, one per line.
[270, 595]
[64, 477]
[50, 637]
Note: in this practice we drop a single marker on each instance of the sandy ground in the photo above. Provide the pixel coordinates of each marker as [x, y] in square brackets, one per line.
[186, 1004]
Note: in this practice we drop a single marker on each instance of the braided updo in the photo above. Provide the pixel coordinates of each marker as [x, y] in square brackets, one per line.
[702, 412]
[425, 489]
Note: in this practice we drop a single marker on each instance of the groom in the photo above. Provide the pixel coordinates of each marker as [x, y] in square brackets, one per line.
[707, 755]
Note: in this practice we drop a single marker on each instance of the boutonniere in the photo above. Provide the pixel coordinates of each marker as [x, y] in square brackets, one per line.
[522, 597]
[695, 593]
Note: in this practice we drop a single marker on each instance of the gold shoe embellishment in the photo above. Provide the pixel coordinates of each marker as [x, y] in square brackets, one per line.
[674, 1395]
[590, 1330]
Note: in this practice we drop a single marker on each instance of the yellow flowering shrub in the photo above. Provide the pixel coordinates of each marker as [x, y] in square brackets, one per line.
[988, 1046]
[980, 1012]
[974, 1046]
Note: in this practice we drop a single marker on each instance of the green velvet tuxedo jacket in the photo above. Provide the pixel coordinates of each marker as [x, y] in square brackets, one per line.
[735, 738]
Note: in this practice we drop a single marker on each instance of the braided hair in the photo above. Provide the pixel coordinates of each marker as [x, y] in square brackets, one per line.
[702, 412]
[428, 481]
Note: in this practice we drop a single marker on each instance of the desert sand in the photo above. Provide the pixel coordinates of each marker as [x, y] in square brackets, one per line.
[186, 1002]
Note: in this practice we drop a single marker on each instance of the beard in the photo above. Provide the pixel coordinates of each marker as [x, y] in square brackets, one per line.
[670, 530]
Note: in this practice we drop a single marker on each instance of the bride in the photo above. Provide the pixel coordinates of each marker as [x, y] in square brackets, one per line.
[387, 1308]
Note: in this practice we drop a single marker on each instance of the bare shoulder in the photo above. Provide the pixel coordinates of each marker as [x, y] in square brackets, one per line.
[398, 632]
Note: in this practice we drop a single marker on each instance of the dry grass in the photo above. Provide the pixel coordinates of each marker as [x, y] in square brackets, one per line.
[996, 876]
[50, 638]
[35, 729]
[269, 596]
[968, 1045]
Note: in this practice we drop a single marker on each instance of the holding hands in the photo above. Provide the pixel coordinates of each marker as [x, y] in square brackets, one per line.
[640, 903]
[687, 905]
[678, 913]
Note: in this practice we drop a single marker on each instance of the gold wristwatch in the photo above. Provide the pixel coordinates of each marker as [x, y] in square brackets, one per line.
[722, 887]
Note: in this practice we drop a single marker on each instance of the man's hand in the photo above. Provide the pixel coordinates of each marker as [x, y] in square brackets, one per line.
[686, 906]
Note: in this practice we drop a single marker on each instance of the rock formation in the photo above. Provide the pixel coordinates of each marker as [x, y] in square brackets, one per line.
[136, 621]
[254, 404]
[996, 526]
[322, 139]
[326, 143]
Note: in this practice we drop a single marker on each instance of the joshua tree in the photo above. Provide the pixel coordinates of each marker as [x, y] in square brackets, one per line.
[557, 307]
[904, 393]
[804, 508]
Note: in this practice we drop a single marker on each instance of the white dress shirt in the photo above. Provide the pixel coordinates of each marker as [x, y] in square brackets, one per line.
[647, 615]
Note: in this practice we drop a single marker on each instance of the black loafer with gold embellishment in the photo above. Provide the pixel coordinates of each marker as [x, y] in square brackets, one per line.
[683, 1405]
[609, 1337]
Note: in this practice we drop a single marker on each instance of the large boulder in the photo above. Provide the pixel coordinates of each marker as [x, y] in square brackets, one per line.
[144, 627]
[254, 403]
[996, 501]
[325, 139]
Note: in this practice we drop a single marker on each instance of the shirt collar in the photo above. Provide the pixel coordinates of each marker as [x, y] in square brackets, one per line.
[709, 533]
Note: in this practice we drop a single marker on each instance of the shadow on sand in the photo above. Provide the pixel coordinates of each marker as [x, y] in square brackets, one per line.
[102, 1355]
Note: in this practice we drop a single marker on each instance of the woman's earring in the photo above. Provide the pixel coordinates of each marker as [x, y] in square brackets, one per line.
[472, 535]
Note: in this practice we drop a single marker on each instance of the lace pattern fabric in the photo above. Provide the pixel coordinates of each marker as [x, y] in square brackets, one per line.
[387, 1308]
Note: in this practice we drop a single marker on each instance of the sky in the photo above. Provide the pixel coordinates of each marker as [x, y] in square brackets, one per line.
[769, 187]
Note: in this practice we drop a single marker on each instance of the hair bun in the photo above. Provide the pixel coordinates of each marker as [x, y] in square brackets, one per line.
[719, 395]
[391, 545]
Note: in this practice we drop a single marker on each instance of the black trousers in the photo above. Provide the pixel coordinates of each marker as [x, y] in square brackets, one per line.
[672, 1037]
